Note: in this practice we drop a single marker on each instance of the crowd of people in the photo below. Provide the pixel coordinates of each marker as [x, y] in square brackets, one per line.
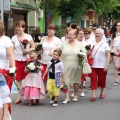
[59, 65]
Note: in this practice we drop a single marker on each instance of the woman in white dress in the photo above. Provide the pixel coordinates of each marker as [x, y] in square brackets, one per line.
[117, 53]
[49, 43]
[114, 33]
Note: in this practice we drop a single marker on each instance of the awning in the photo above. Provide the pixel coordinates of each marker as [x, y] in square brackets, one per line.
[21, 5]
[14, 4]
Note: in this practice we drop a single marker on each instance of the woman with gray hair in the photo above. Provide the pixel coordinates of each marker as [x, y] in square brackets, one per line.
[101, 55]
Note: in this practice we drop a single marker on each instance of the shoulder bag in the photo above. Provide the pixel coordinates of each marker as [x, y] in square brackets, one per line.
[91, 60]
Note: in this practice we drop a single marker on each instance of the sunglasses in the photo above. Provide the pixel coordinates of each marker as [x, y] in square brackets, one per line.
[93, 29]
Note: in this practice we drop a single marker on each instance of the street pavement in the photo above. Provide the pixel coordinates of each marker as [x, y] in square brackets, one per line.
[101, 109]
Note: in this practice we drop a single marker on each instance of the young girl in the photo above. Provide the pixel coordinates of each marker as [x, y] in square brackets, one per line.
[4, 99]
[55, 70]
[33, 87]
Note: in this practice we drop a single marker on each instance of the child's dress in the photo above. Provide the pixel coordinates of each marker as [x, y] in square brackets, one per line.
[33, 87]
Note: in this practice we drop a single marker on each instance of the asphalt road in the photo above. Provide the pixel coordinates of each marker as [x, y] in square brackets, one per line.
[101, 109]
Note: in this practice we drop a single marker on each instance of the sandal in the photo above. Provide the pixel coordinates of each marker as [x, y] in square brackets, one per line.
[115, 83]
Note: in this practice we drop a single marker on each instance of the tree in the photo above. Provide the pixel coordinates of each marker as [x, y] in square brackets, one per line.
[78, 8]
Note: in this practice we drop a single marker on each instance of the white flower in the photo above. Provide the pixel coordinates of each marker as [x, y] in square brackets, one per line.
[31, 66]
[82, 53]
[12, 70]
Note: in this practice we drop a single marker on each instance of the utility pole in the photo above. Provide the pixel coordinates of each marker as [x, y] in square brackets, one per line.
[2, 11]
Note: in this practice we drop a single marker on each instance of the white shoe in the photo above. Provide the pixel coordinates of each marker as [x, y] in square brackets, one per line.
[72, 95]
[65, 101]
[75, 99]
[55, 104]
[82, 94]
[51, 101]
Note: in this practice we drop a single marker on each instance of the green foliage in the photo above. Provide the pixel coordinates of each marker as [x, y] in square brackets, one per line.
[78, 8]
[60, 30]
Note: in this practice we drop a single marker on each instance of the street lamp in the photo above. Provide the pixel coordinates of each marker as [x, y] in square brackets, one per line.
[46, 16]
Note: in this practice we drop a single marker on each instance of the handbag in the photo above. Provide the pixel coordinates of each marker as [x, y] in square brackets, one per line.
[86, 69]
[91, 60]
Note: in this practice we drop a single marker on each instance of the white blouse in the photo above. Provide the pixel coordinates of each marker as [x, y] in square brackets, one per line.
[100, 57]
[117, 43]
[47, 47]
[18, 50]
[5, 42]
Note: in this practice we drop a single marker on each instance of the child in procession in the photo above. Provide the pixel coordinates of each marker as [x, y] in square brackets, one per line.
[56, 71]
[33, 87]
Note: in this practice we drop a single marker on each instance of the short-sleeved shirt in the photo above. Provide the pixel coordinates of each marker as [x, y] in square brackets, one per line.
[47, 47]
[5, 43]
[58, 67]
[36, 37]
[63, 39]
[100, 57]
[117, 43]
[18, 50]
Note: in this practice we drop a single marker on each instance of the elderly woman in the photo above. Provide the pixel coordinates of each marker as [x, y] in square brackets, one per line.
[21, 53]
[70, 60]
[6, 60]
[101, 55]
[49, 43]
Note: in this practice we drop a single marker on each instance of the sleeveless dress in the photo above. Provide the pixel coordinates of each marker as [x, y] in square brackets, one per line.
[70, 61]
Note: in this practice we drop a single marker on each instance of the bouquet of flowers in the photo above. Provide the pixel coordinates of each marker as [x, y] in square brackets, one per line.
[89, 56]
[112, 53]
[24, 43]
[88, 47]
[81, 55]
[11, 72]
[31, 67]
[38, 47]
[64, 89]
